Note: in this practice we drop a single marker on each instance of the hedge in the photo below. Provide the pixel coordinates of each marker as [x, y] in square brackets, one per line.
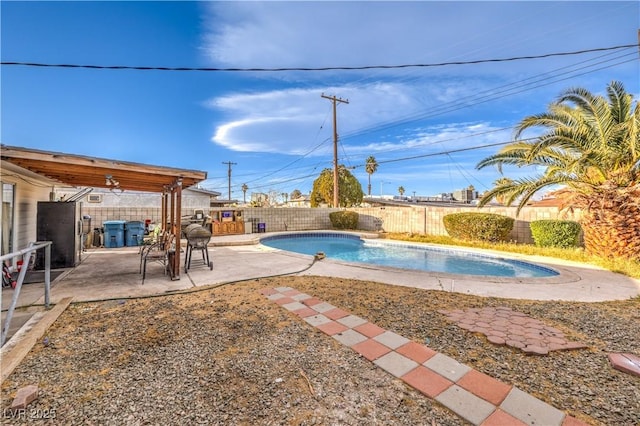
[344, 219]
[555, 233]
[478, 226]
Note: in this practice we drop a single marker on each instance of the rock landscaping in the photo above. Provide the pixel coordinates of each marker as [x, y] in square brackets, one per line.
[230, 356]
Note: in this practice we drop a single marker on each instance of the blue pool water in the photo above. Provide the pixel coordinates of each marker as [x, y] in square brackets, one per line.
[351, 248]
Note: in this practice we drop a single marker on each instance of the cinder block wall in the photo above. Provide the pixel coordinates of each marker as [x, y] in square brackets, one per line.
[409, 219]
[429, 219]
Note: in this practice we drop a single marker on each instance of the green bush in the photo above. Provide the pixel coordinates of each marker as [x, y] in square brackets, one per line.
[344, 220]
[555, 233]
[478, 226]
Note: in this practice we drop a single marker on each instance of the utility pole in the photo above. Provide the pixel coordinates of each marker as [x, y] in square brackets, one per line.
[335, 100]
[229, 163]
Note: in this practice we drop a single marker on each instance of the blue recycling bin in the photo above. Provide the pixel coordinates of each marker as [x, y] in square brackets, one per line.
[133, 233]
[113, 233]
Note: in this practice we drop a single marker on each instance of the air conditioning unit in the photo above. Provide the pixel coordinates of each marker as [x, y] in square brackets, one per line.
[94, 198]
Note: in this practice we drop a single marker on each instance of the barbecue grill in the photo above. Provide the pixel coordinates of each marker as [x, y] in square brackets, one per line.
[197, 239]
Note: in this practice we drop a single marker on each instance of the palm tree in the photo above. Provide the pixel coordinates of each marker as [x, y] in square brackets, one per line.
[503, 181]
[371, 166]
[295, 194]
[591, 146]
[401, 190]
[244, 191]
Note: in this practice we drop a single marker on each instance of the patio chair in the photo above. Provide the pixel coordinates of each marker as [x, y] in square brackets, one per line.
[157, 252]
[149, 243]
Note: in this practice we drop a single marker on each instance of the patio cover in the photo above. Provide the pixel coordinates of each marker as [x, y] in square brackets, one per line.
[82, 171]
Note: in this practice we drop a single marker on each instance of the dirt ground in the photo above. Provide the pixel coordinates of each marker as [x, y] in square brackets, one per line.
[228, 355]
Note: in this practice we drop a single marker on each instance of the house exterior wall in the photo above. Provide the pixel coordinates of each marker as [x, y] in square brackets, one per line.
[28, 191]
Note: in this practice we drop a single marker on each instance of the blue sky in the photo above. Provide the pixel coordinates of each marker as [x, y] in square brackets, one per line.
[275, 126]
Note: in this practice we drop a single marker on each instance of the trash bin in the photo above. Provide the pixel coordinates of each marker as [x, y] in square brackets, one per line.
[134, 233]
[113, 233]
[262, 227]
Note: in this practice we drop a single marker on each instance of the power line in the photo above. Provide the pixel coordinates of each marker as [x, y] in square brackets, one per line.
[335, 68]
[491, 94]
[539, 83]
[451, 151]
[545, 79]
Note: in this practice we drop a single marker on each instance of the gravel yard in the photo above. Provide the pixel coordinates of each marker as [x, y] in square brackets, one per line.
[229, 356]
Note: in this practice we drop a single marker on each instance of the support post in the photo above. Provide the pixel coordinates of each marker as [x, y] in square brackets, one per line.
[229, 163]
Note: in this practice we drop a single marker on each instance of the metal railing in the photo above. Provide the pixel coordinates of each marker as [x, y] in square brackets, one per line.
[26, 254]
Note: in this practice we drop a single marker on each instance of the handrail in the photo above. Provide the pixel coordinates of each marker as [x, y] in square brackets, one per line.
[26, 254]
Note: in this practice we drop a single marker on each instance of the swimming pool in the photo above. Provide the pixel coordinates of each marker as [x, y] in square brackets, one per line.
[352, 248]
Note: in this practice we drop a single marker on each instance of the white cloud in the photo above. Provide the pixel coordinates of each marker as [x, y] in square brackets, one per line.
[398, 113]
[316, 34]
[288, 121]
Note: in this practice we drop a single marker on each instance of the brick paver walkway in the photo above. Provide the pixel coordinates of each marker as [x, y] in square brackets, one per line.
[474, 396]
[503, 326]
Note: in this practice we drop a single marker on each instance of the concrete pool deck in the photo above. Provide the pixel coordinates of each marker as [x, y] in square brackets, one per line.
[114, 273]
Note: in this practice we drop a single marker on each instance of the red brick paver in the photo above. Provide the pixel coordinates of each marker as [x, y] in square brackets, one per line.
[417, 352]
[332, 328]
[426, 381]
[369, 329]
[335, 314]
[503, 326]
[484, 386]
[371, 349]
[305, 312]
[500, 418]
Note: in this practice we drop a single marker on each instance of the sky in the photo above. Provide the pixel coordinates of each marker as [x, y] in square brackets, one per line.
[425, 125]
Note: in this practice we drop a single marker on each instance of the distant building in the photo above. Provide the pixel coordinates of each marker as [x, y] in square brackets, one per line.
[465, 195]
[259, 199]
[301, 201]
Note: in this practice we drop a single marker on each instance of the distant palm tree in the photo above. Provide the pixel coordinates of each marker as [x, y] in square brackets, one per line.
[503, 181]
[295, 194]
[371, 167]
[591, 145]
[401, 190]
[244, 192]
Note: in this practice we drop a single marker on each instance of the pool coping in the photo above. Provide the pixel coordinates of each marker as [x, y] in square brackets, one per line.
[565, 275]
[577, 282]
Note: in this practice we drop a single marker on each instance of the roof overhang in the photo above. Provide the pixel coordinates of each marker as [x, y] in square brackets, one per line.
[82, 171]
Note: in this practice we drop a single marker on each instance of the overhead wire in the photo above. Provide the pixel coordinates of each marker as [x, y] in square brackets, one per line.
[542, 82]
[516, 87]
[489, 95]
[331, 68]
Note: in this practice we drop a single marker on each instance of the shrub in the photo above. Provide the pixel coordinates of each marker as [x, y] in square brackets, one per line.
[344, 219]
[555, 233]
[478, 226]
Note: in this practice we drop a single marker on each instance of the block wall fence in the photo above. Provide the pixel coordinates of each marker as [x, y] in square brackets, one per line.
[409, 219]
